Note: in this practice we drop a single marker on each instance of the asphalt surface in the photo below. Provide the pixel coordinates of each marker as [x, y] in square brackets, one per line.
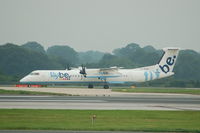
[129, 102]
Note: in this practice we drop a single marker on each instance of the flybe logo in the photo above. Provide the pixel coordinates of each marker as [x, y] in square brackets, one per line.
[169, 62]
[59, 75]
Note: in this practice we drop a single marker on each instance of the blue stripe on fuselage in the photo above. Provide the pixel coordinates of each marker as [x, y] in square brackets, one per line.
[68, 82]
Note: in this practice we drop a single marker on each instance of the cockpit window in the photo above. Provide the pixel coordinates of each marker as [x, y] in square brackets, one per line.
[34, 73]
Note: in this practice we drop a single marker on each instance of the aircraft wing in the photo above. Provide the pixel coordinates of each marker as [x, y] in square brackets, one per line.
[104, 73]
[103, 76]
[109, 69]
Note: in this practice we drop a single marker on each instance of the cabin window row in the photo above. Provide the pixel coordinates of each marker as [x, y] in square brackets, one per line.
[76, 76]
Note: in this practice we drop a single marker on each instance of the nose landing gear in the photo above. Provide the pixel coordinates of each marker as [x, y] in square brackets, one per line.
[92, 86]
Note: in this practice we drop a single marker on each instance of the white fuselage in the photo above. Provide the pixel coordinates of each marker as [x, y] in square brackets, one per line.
[93, 76]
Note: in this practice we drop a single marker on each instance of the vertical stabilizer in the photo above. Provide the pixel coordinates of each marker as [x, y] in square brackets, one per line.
[168, 59]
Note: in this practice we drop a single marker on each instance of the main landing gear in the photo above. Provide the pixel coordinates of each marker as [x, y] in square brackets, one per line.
[90, 86]
[106, 86]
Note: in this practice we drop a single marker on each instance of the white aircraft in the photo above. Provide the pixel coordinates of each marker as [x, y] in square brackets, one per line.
[106, 75]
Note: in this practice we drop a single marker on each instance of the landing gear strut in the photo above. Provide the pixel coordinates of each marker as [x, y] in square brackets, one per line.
[106, 86]
[90, 86]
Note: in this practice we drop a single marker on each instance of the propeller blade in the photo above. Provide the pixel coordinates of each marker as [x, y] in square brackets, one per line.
[82, 71]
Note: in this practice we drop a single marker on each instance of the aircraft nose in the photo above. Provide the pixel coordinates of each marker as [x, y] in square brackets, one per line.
[22, 80]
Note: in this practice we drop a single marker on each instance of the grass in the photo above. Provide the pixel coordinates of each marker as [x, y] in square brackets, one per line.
[159, 90]
[109, 120]
[21, 92]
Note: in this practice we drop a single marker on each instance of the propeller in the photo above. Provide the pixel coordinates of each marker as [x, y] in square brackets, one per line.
[82, 71]
[69, 68]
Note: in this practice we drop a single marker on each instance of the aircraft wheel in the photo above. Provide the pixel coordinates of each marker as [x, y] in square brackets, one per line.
[90, 86]
[106, 86]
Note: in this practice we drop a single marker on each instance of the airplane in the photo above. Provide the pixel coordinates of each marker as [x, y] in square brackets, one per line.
[107, 76]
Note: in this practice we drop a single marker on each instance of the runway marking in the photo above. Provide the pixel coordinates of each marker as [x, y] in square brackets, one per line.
[177, 108]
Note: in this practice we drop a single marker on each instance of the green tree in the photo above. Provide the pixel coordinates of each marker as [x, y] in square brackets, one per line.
[68, 56]
[34, 46]
[90, 57]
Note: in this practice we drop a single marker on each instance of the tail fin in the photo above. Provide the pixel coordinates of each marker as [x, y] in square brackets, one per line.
[168, 59]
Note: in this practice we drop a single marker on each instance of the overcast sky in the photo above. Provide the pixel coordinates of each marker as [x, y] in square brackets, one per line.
[101, 24]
